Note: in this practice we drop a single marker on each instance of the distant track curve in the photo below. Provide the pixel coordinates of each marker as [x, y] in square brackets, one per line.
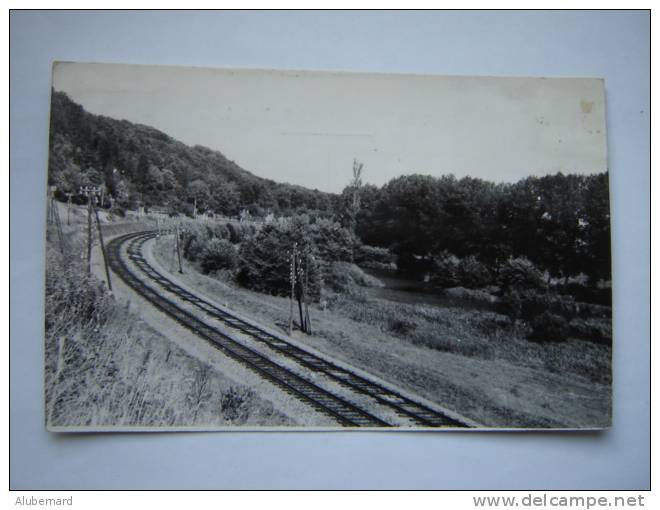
[346, 413]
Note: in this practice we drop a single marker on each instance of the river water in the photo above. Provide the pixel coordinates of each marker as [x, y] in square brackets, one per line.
[406, 290]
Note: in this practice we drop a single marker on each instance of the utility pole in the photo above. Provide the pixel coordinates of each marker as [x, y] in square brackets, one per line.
[292, 279]
[89, 190]
[299, 289]
[105, 259]
[178, 249]
[49, 215]
[93, 193]
[308, 324]
[68, 208]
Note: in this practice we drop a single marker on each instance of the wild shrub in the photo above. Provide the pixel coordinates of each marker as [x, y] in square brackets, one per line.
[118, 211]
[334, 242]
[528, 304]
[401, 325]
[373, 257]
[239, 232]
[265, 259]
[236, 403]
[344, 277]
[218, 230]
[218, 254]
[596, 331]
[589, 294]
[194, 237]
[519, 274]
[414, 266]
[549, 327]
[473, 274]
[445, 273]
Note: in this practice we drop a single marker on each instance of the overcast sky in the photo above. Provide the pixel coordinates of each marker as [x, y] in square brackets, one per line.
[306, 127]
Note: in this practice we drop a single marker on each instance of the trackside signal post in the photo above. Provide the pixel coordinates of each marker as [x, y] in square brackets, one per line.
[93, 193]
[298, 277]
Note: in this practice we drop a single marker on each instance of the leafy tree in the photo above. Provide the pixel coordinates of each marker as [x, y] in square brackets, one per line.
[265, 262]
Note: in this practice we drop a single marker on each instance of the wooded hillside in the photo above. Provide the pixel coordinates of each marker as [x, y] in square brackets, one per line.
[138, 163]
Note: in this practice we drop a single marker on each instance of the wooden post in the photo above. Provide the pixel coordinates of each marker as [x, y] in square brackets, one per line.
[105, 259]
[89, 232]
[68, 209]
[178, 249]
[299, 289]
[308, 324]
[173, 249]
[292, 278]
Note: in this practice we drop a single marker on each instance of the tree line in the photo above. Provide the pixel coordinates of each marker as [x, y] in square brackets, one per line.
[559, 222]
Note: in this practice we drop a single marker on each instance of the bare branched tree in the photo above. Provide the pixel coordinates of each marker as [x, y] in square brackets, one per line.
[355, 185]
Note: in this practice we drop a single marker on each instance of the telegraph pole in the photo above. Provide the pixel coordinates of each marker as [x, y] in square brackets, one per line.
[178, 249]
[89, 190]
[292, 279]
[68, 208]
[93, 193]
[105, 259]
[308, 324]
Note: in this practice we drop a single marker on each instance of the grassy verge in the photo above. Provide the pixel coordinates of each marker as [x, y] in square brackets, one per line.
[477, 334]
[106, 367]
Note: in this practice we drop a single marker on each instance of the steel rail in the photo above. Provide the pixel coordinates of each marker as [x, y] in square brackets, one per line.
[345, 412]
[418, 412]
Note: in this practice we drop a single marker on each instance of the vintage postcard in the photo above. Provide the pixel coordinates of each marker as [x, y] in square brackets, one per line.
[263, 249]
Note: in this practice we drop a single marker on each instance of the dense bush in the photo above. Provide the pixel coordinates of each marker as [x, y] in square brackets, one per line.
[344, 277]
[236, 404]
[473, 274]
[334, 242]
[596, 331]
[414, 266]
[373, 257]
[589, 294]
[238, 232]
[218, 254]
[448, 271]
[519, 274]
[193, 238]
[549, 327]
[218, 230]
[528, 304]
[196, 238]
[445, 273]
[118, 210]
[265, 259]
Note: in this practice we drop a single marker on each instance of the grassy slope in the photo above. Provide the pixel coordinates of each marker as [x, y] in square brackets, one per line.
[105, 366]
[470, 361]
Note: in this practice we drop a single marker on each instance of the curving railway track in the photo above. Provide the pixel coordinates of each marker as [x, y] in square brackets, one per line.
[168, 297]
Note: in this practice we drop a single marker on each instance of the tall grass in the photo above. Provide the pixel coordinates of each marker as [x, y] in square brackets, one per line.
[104, 366]
[477, 334]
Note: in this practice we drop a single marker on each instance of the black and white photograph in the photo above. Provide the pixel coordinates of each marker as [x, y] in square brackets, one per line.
[239, 249]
